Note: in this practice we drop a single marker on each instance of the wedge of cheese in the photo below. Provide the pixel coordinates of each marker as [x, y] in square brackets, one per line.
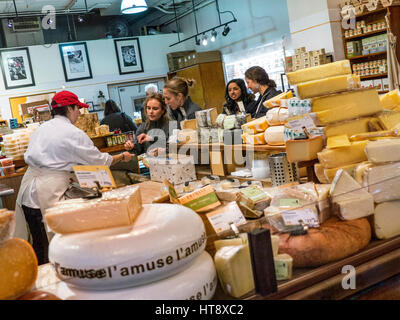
[116, 208]
[326, 86]
[390, 100]
[324, 205]
[233, 264]
[386, 150]
[275, 136]
[360, 172]
[255, 126]
[319, 172]
[18, 268]
[276, 101]
[283, 266]
[304, 150]
[331, 173]
[320, 72]
[389, 119]
[349, 127]
[202, 200]
[254, 138]
[241, 239]
[387, 220]
[338, 142]
[334, 158]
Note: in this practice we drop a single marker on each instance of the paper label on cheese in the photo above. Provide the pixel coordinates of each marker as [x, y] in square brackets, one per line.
[289, 203]
[298, 124]
[222, 219]
[281, 269]
[253, 193]
[305, 215]
[202, 202]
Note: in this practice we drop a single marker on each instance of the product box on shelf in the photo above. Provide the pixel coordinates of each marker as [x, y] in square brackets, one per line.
[354, 48]
[175, 168]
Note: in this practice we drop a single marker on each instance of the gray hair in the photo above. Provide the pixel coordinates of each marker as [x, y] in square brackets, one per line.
[150, 88]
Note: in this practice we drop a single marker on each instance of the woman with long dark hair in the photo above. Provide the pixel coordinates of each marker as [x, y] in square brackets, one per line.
[238, 99]
[115, 119]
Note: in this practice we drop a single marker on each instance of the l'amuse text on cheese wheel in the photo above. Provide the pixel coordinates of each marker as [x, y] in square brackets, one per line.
[164, 239]
[197, 281]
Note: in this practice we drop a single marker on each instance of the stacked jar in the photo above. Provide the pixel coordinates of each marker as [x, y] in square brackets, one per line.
[15, 144]
[7, 166]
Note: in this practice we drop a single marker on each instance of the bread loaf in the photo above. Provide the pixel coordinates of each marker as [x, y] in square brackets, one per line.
[333, 241]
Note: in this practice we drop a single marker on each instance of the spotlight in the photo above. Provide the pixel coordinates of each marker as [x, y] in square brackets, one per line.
[81, 19]
[226, 31]
[197, 41]
[49, 21]
[10, 23]
[213, 35]
[204, 40]
[133, 6]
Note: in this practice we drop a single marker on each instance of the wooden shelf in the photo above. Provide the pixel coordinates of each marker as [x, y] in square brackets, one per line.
[244, 147]
[113, 149]
[375, 76]
[370, 12]
[366, 34]
[368, 55]
[383, 91]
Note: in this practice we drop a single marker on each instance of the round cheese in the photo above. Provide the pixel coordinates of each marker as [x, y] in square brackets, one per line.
[197, 281]
[277, 116]
[164, 239]
[274, 136]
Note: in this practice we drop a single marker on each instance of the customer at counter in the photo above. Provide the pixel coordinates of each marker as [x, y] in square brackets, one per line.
[258, 81]
[115, 119]
[54, 148]
[238, 99]
[176, 94]
[152, 135]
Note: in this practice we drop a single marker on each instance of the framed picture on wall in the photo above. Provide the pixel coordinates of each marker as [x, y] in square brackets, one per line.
[128, 55]
[17, 68]
[75, 61]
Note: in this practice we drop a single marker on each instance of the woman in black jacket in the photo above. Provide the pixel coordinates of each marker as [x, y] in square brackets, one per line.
[117, 120]
[235, 93]
[258, 81]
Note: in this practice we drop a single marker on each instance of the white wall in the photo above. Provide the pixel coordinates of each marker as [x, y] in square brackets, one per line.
[49, 75]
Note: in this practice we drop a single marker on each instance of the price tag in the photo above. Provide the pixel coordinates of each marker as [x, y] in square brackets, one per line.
[87, 175]
[298, 124]
[289, 203]
[222, 218]
[304, 215]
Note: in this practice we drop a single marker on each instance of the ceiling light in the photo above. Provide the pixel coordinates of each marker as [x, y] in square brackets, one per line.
[10, 23]
[213, 35]
[133, 6]
[197, 41]
[81, 19]
[226, 31]
[204, 40]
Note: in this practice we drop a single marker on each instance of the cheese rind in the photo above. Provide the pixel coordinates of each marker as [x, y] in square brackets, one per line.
[381, 151]
[387, 220]
[349, 128]
[7, 224]
[333, 158]
[276, 101]
[116, 208]
[319, 172]
[338, 142]
[390, 100]
[320, 72]
[331, 173]
[329, 85]
[304, 150]
[389, 120]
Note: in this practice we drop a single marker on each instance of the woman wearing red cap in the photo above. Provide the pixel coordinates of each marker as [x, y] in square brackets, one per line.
[54, 148]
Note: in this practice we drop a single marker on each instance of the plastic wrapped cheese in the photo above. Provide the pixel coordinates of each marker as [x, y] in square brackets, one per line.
[276, 101]
[277, 116]
[320, 72]
[256, 139]
[387, 220]
[386, 150]
[389, 120]
[329, 85]
[256, 126]
[390, 100]
[116, 208]
[275, 136]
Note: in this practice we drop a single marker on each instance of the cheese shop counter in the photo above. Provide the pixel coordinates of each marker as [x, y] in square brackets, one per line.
[375, 263]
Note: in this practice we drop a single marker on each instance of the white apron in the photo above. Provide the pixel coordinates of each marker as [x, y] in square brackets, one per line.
[50, 187]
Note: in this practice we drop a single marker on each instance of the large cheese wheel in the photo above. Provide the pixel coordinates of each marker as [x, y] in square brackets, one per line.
[198, 281]
[333, 241]
[18, 268]
[161, 242]
[274, 136]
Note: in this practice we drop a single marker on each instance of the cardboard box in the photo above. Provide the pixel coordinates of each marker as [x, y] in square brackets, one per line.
[354, 48]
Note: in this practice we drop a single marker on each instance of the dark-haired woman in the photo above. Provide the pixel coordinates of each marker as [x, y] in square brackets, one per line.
[258, 81]
[54, 149]
[152, 135]
[238, 99]
[115, 119]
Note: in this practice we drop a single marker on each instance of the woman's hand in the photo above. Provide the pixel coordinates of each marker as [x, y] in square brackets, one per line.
[144, 138]
[156, 152]
[127, 156]
[128, 145]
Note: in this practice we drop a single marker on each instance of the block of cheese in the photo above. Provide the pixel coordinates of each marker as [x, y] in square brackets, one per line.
[390, 100]
[283, 266]
[254, 198]
[237, 241]
[189, 124]
[116, 208]
[354, 99]
[387, 220]
[360, 172]
[275, 136]
[381, 151]
[375, 135]
[320, 72]
[206, 118]
[7, 224]
[329, 85]
[346, 106]
[201, 200]
[233, 264]
[276, 101]
[254, 138]
[349, 128]
[277, 116]
[187, 136]
[319, 172]
[18, 268]
[255, 126]
[345, 185]
[304, 150]
[333, 158]
[389, 119]
[338, 142]
[324, 205]
[383, 181]
[331, 173]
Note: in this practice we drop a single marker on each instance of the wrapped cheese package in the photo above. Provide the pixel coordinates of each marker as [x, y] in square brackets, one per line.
[116, 208]
[255, 139]
[277, 116]
[386, 150]
[276, 101]
[256, 126]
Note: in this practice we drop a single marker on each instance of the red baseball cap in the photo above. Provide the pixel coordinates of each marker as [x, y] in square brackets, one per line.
[67, 98]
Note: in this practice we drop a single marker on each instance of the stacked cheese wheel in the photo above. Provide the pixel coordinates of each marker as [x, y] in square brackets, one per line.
[141, 261]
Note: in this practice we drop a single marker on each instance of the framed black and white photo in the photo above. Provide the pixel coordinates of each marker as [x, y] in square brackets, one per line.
[75, 60]
[17, 68]
[128, 55]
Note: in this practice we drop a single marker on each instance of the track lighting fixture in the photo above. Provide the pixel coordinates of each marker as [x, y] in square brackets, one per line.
[213, 35]
[226, 30]
[204, 40]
